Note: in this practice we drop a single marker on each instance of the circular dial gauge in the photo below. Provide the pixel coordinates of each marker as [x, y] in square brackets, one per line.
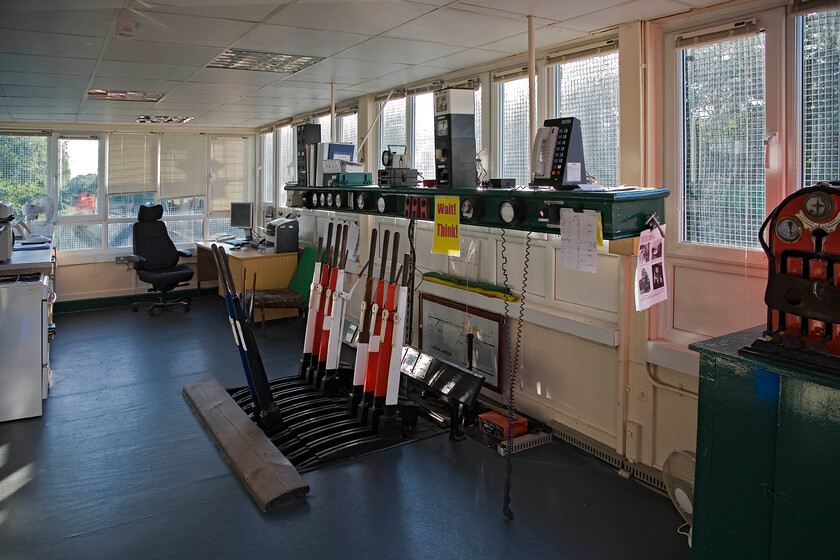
[387, 158]
[338, 200]
[819, 205]
[360, 201]
[512, 211]
[472, 209]
[314, 199]
[380, 204]
[467, 209]
[442, 127]
[789, 229]
[322, 200]
[329, 200]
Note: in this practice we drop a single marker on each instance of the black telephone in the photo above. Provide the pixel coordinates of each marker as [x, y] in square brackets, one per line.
[557, 154]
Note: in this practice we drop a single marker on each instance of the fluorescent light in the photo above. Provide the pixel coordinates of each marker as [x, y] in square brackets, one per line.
[123, 95]
[259, 61]
[162, 119]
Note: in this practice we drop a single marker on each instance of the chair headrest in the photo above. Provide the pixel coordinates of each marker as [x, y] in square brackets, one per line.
[150, 213]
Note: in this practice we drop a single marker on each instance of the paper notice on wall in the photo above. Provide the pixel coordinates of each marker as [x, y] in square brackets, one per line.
[353, 242]
[447, 226]
[579, 238]
[650, 269]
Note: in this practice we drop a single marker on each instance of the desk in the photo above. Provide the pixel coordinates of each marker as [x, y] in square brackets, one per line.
[33, 260]
[273, 270]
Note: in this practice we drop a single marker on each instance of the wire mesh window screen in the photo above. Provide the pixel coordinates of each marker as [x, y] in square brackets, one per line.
[75, 237]
[821, 97]
[23, 169]
[514, 131]
[423, 151]
[478, 120]
[588, 89]
[229, 172]
[267, 166]
[286, 170]
[723, 103]
[393, 125]
[349, 128]
[326, 127]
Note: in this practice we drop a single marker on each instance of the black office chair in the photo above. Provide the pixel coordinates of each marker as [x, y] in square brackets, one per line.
[155, 259]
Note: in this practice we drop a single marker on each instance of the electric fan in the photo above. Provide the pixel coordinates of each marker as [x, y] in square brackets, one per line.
[33, 226]
[678, 474]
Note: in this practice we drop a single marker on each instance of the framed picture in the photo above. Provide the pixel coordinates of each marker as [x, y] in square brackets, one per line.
[469, 337]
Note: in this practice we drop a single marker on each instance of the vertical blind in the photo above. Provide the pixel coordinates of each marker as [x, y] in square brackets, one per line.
[183, 166]
[132, 159]
[229, 172]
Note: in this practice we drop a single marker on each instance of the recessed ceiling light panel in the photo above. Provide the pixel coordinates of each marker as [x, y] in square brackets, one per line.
[162, 119]
[259, 61]
[123, 95]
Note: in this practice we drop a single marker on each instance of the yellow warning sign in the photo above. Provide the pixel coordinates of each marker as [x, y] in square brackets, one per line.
[447, 226]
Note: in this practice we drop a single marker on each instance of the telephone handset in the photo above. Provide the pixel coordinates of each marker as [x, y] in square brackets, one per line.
[543, 151]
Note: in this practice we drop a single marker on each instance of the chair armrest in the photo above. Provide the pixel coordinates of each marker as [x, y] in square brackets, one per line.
[184, 253]
[135, 260]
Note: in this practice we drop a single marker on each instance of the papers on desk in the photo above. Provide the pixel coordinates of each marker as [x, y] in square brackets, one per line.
[32, 243]
[579, 239]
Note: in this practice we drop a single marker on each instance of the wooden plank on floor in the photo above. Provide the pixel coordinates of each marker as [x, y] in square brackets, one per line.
[270, 478]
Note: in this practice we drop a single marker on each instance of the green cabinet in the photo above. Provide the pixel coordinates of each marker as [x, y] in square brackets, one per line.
[767, 480]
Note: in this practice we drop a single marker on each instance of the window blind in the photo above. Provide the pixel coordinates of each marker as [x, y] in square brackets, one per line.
[183, 166]
[132, 159]
[229, 172]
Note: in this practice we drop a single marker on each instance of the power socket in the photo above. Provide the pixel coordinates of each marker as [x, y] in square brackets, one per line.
[122, 259]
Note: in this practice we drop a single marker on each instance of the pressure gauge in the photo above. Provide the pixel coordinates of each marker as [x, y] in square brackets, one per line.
[472, 209]
[313, 200]
[512, 211]
[380, 204]
[386, 204]
[819, 205]
[789, 229]
[338, 199]
[329, 200]
[387, 158]
[361, 201]
[322, 199]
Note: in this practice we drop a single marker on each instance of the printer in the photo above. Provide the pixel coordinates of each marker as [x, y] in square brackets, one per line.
[7, 236]
[283, 234]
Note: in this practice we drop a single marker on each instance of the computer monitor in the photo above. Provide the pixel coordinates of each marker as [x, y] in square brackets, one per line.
[242, 216]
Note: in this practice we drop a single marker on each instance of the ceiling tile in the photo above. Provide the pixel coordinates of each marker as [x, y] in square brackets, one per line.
[466, 58]
[543, 37]
[153, 53]
[63, 118]
[234, 90]
[368, 17]
[264, 103]
[189, 98]
[39, 102]
[628, 11]
[340, 67]
[117, 107]
[81, 22]
[458, 27]
[42, 110]
[43, 80]
[415, 73]
[243, 10]
[27, 91]
[45, 64]
[230, 76]
[189, 30]
[550, 9]
[310, 75]
[292, 40]
[49, 44]
[388, 49]
[115, 69]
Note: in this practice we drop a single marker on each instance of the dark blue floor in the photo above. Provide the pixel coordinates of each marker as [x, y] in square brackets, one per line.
[120, 466]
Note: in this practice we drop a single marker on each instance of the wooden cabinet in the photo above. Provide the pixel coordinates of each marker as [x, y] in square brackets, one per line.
[273, 270]
[768, 447]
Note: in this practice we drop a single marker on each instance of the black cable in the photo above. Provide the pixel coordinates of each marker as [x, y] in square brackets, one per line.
[409, 311]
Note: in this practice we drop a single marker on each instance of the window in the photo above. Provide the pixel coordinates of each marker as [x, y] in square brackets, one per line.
[228, 179]
[820, 57]
[723, 131]
[78, 198]
[588, 89]
[267, 166]
[513, 137]
[286, 170]
[131, 182]
[393, 125]
[326, 127]
[183, 185]
[423, 150]
[478, 144]
[23, 169]
[348, 125]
